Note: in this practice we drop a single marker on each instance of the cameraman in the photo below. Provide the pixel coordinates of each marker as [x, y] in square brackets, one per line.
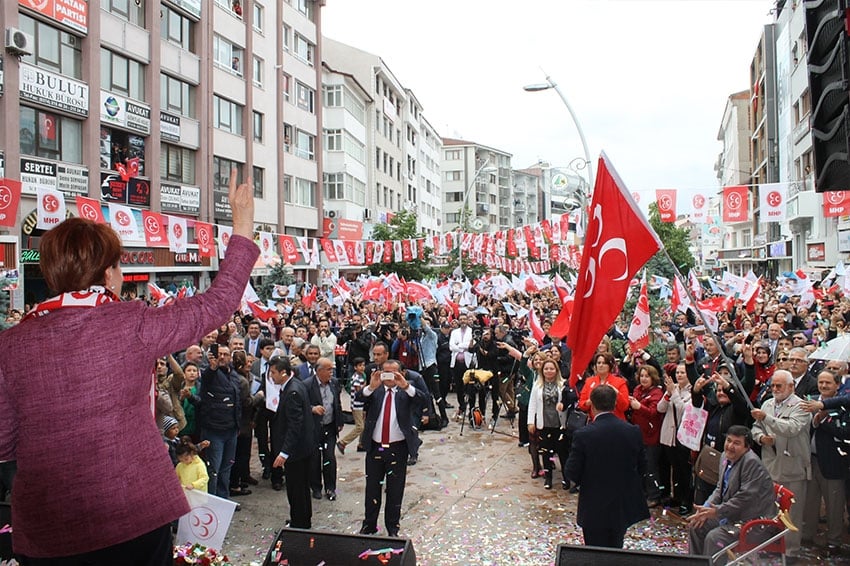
[428, 349]
[359, 341]
[503, 381]
[487, 353]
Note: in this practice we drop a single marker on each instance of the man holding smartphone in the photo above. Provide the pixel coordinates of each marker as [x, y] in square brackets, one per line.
[389, 438]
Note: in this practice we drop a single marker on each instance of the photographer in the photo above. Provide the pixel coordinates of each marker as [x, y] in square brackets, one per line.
[463, 358]
[358, 341]
[428, 349]
[487, 353]
[503, 386]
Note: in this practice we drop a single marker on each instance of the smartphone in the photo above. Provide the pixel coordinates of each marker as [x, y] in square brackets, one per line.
[214, 349]
[698, 329]
[387, 376]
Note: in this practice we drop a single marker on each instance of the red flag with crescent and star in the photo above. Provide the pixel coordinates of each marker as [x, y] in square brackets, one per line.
[618, 242]
[639, 330]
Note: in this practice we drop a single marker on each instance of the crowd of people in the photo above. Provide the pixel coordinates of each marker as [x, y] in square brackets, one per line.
[757, 394]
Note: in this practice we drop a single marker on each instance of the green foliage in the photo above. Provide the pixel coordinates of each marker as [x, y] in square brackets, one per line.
[280, 274]
[402, 227]
[5, 305]
[675, 240]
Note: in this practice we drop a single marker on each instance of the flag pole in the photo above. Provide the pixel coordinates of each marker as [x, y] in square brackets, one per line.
[726, 359]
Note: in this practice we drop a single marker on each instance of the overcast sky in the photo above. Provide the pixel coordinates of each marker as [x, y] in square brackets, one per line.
[648, 80]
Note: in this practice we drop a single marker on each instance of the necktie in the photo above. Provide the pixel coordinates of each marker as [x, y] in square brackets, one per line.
[385, 425]
[725, 483]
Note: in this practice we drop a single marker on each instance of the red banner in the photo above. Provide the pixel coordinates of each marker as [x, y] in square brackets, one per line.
[406, 252]
[204, 239]
[836, 203]
[736, 203]
[370, 252]
[288, 249]
[89, 209]
[156, 235]
[10, 200]
[328, 248]
[666, 201]
[388, 252]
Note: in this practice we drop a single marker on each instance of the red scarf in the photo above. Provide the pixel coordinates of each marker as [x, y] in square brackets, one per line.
[92, 297]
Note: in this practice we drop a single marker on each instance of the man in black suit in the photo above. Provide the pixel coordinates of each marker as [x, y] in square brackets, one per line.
[607, 461]
[389, 439]
[263, 418]
[293, 441]
[327, 414]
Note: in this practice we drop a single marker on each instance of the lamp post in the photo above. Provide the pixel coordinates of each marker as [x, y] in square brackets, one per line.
[551, 84]
[484, 168]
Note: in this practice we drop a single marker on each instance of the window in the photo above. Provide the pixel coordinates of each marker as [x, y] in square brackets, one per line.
[227, 55]
[287, 81]
[48, 135]
[177, 164]
[55, 50]
[453, 217]
[227, 115]
[355, 190]
[118, 146]
[354, 106]
[304, 50]
[287, 33]
[258, 176]
[177, 96]
[454, 154]
[333, 96]
[333, 140]
[258, 126]
[257, 17]
[354, 148]
[305, 145]
[176, 28]
[454, 197]
[305, 97]
[257, 71]
[452, 175]
[287, 137]
[221, 173]
[334, 186]
[131, 10]
[299, 191]
[233, 6]
[121, 75]
[306, 8]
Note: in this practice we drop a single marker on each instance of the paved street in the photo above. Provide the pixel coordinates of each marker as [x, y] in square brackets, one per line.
[469, 500]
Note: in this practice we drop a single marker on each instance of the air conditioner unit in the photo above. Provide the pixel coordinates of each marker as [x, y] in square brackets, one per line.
[18, 42]
[367, 214]
[330, 213]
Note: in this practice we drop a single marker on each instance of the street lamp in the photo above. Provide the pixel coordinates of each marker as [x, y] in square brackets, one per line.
[483, 169]
[551, 84]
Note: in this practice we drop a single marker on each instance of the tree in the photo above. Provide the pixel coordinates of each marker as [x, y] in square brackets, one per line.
[280, 274]
[402, 227]
[675, 241]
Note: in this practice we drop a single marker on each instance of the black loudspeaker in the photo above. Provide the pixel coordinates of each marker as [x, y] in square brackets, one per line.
[569, 555]
[5, 538]
[301, 546]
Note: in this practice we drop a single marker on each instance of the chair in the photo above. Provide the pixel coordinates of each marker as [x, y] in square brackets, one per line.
[763, 535]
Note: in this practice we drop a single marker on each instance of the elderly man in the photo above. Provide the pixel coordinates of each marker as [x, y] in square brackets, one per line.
[323, 393]
[285, 342]
[744, 492]
[805, 383]
[782, 429]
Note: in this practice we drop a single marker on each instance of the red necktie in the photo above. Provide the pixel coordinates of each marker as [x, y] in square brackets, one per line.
[385, 426]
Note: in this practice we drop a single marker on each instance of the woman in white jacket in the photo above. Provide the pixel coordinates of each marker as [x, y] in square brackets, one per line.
[675, 458]
[545, 415]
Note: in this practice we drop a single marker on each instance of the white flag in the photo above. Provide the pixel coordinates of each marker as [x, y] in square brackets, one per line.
[772, 200]
[699, 208]
[177, 238]
[266, 245]
[208, 520]
[224, 234]
[122, 221]
[51, 208]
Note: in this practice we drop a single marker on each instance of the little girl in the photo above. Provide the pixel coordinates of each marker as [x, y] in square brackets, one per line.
[190, 468]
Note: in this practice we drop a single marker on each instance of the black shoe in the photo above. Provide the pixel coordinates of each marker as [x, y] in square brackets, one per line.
[392, 534]
[522, 444]
[250, 480]
[574, 489]
[331, 495]
[267, 474]
[364, 530]
[317, 494]
[412, 460]
[277, 486]
[238, 507]
[684, 510]
[239, 492]
[565, 484]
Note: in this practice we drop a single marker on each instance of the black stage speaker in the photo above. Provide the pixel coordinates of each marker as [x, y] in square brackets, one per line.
[302, 546]
[5, 538]
[569, 555]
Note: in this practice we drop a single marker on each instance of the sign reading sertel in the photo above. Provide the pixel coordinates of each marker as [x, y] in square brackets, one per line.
[72, 13]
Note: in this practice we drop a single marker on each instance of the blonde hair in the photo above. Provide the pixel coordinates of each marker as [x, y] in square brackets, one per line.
[559, 379]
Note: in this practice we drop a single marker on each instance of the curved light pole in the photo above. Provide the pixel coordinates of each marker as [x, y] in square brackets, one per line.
[551, 84]
[484, 167]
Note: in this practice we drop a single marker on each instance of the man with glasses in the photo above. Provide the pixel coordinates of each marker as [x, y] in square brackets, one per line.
[805, 383]
[782, 429]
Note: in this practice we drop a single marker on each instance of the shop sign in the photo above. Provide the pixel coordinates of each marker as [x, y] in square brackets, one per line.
[137, 257]
[815, 252]
[188, 258]
[169, 127]
[72, 180]
[221, 204]
[124, 113]
[71, 13]
[180, 198]
[30, 256]
[54, 91]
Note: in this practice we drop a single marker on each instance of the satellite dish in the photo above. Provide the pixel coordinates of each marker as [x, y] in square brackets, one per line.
[477, 224]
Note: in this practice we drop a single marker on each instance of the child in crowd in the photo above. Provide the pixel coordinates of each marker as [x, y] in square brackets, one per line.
[170, 430]
[191, 469]
[357, 381]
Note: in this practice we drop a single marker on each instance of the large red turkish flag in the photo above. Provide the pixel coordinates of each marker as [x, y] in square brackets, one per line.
[618, 242]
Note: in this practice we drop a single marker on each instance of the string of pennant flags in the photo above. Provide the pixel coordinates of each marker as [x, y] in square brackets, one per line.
[534, 248]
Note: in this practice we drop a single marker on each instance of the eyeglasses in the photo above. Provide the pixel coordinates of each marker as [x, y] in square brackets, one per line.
[795, 360]
[782, 360]
[778, 385]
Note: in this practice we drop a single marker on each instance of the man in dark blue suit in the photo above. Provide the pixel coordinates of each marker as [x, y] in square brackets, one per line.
[607, 460]
[293, 441]
[389, 439]
[327, 417]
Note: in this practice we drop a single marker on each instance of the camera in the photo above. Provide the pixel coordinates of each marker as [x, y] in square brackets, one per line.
[414, 317]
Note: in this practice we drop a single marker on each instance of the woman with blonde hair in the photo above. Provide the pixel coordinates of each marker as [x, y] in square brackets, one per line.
[544, 416]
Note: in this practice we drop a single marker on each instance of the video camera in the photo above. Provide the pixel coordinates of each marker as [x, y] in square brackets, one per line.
[414, 317]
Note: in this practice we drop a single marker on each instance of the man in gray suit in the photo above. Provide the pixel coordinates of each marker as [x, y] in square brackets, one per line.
[744, 492]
